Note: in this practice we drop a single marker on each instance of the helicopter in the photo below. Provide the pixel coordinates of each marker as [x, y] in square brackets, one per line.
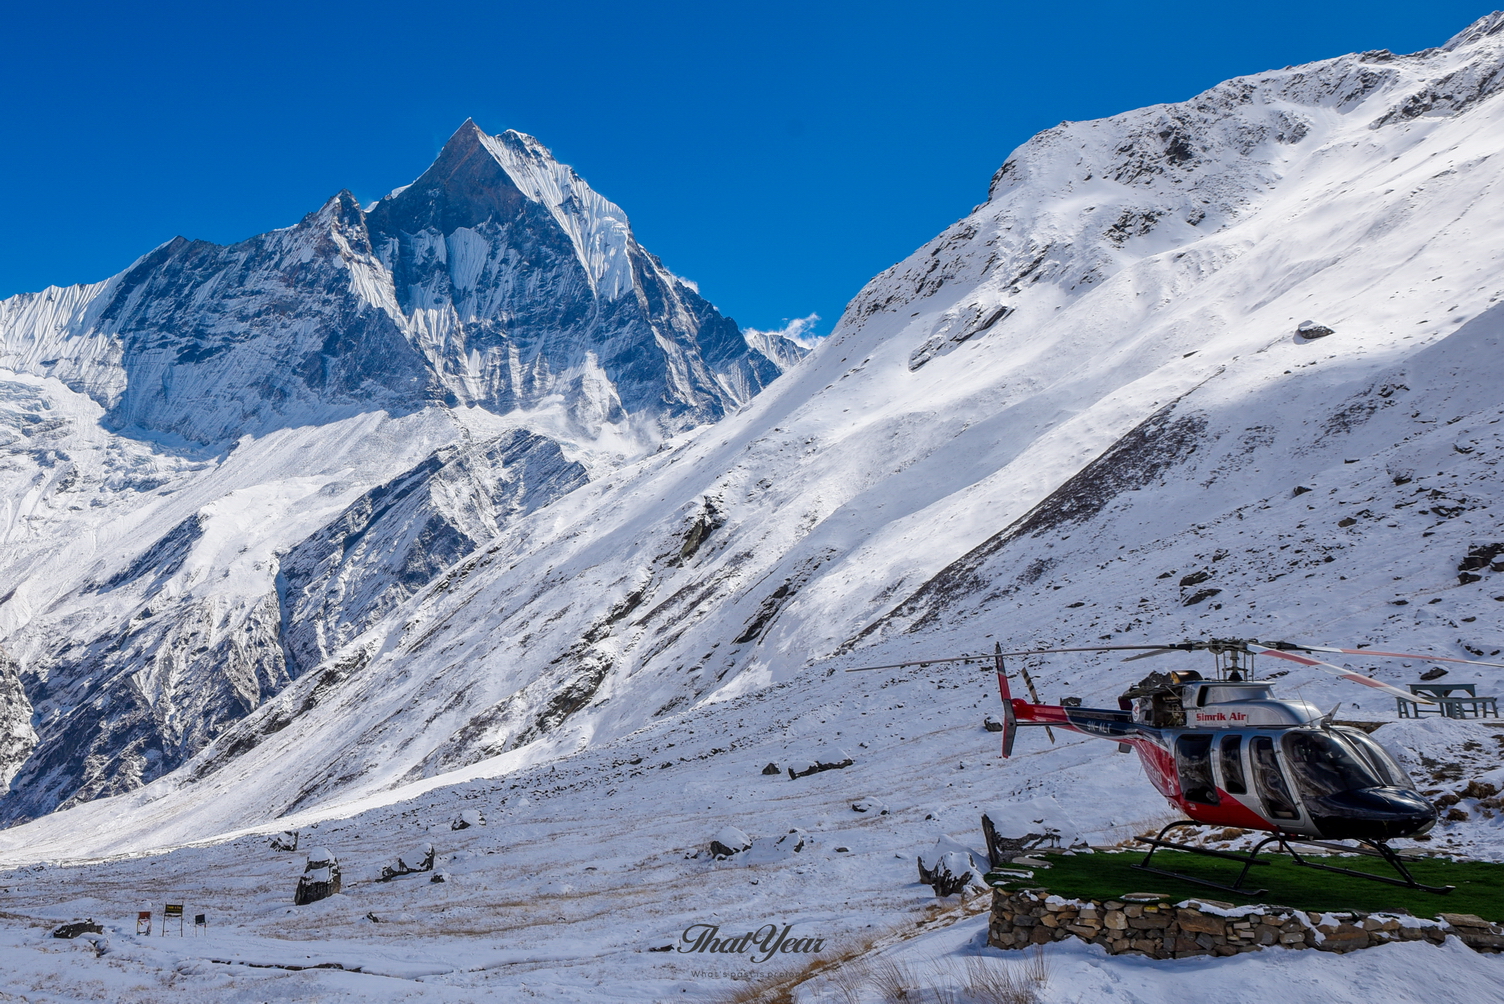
[1225, 752]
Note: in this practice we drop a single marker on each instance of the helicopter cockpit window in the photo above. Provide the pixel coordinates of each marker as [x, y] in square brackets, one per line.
[1193, 756]
[1269, 781]
[1324, 765]
[1231, 752]
[1378, 757]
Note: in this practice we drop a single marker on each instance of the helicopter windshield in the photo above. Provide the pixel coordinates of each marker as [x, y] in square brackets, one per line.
[1378, 757]
[1324, 765]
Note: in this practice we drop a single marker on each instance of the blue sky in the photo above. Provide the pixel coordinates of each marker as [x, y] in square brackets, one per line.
[778, 153]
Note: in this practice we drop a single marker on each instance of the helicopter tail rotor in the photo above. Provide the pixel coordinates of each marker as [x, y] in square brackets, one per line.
[1010, 721]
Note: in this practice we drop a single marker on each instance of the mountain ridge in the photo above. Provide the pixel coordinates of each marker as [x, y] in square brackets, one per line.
[371, 315]
[997, 372]
[181, 445]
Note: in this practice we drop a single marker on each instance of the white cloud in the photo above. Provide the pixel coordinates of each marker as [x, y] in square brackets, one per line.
[800, 331]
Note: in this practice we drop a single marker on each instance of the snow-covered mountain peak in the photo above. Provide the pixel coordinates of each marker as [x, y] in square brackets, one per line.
[597, 226]
[479, 178]
[465, 186]
[1485, 27]
[180, 439]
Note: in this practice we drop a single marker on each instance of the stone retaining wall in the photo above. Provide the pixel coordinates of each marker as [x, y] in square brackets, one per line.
[1208, 927]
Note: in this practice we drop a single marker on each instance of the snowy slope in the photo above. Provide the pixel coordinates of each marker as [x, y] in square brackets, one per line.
[1143, 411]
[606, 679]
[398, 536]
[168, 436]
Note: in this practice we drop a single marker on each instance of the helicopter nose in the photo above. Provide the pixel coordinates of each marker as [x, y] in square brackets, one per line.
[1372, 813]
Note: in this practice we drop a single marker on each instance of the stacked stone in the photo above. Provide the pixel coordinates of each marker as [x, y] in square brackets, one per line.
[1161, 931]
[1475, 932]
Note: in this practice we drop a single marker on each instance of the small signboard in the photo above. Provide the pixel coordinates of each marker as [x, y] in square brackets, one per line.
[143, 922]
[169, 911]
[199, 920]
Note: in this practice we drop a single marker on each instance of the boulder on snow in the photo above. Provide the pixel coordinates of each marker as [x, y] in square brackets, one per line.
[793, 841]
[729, 841]
[949, 869]
[320, 878]
[76, 928]
[467, 819]
[872, 805]
[771, 769]
[421, 861]
[992, 724]
[1002, 849]
[1481, 556]
[1015, 828]
[1312, 330]
[814, 764]
[285, 841]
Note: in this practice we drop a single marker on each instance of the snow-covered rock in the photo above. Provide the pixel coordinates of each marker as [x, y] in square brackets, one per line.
[729, 840]
[467, 819]
[420, 860]
[950, 868]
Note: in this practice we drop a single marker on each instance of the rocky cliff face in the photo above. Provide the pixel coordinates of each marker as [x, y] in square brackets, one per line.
[17, 738]
[519, 281]
[398, 537]
[224, 463]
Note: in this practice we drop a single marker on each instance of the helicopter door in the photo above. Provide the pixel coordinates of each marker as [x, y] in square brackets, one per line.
[1230, 762]
[1269, 781]
[1193, 759]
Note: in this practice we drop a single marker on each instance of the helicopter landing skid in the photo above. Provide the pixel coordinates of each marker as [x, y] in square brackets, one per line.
[1374, 848]
[1155, 843]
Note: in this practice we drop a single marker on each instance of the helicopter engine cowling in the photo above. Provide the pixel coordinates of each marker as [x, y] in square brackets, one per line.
[1371, 814]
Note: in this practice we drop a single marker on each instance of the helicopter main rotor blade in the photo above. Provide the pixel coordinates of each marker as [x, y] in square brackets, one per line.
[1345, 674]
[1397, 655]
[1030, 651]
[1176, 647]
[1151, 655]
[921, 662]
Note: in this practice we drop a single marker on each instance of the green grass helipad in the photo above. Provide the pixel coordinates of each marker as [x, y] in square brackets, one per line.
[1103, 876]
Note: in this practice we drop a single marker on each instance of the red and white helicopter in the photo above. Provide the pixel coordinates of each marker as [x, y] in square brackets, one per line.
[1226, 752]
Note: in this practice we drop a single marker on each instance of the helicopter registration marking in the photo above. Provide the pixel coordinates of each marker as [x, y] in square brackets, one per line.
[1220, 716]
